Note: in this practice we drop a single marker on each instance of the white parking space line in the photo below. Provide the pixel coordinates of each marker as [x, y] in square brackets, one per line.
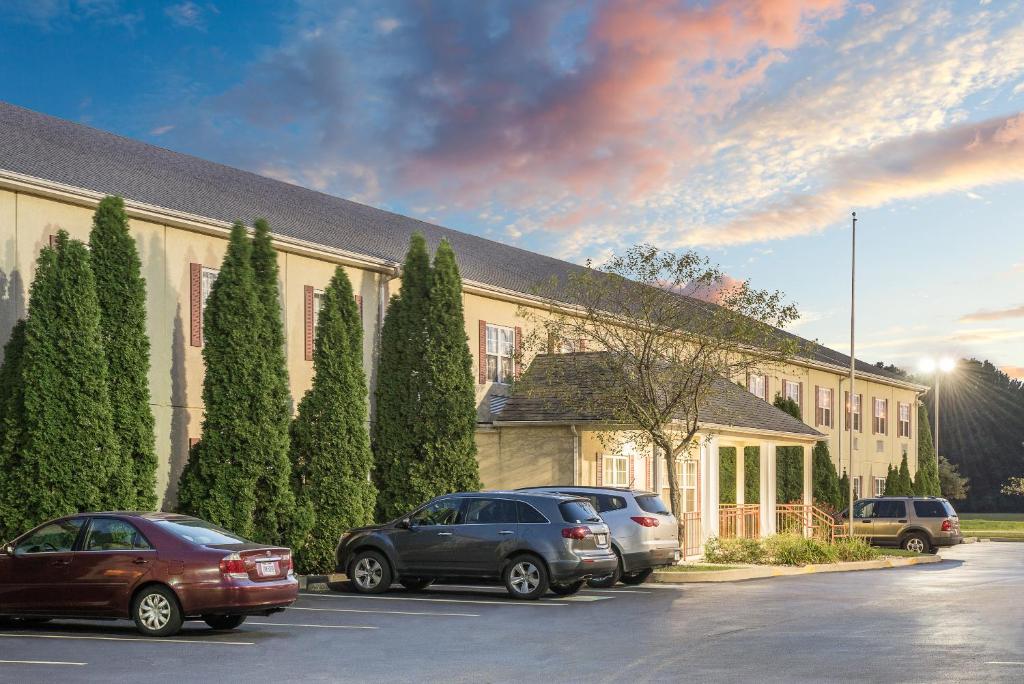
[387, 612]
[502, 590]
[510, 602]
[1004, 662]
[296, 624]
[586, 599]
[39, 662]
[156, 640]
[613, 591]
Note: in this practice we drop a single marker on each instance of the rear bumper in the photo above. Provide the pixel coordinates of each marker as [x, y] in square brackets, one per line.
[582, 567]
[240, 597]
[951, 540]
[653, 558]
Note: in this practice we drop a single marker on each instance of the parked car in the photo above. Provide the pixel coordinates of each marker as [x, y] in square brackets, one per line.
[915, 523]
[157, 569]
[530, 541]
[645, 534]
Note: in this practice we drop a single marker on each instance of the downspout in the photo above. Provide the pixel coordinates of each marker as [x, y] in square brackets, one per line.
[383, 281]
[575, 455]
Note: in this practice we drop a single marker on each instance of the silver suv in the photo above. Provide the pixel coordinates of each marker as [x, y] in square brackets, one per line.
[644, 532]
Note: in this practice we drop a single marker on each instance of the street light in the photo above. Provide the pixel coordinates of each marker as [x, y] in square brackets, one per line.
[938, 368]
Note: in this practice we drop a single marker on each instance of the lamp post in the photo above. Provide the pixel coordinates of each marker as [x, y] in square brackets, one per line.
[937, 369]
[853, 357]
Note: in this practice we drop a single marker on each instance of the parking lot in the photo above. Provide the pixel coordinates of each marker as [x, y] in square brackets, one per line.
[962, 620]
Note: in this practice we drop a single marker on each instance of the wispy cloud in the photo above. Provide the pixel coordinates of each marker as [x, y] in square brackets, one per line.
[998, 315]
[189, 14]
[62, 14]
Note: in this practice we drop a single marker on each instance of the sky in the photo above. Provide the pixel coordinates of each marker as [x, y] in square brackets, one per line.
[747, 130]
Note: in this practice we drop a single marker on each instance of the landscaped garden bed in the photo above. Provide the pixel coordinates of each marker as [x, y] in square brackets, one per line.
[788, 549]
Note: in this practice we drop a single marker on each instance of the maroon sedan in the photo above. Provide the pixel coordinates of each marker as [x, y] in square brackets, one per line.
[157, 569]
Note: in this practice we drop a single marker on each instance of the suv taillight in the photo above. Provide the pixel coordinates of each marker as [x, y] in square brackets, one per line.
[947, 525]
[645, 520]
[579, 532]
[232, 565]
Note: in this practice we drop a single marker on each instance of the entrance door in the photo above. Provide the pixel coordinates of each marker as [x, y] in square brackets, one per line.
[37, 572]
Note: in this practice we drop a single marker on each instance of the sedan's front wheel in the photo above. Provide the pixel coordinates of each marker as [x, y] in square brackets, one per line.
[526, 578]
[224, 621]
[156, 612]
[370, 573]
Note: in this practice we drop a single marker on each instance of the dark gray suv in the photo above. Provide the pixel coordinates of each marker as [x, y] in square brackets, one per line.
[531, 541]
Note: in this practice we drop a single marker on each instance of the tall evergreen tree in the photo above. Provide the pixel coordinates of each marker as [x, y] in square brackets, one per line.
[121, 292]
[892, 482]
[219, 481]
[825, 478]
[330, 443]
[401, 389]
[789, 462]
[449, 445]
[70, 456]
[12, 418]
[844, 488]
[927, 481]
[905, 484]
[275, 513]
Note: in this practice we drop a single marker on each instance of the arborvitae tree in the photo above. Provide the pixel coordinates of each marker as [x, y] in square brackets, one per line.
[752, 475]
[275, 516]
[121, 292]
[892, 482]
[219, 481]
[906, 485]
[330, 443]
[789, 462]
[927, 481]
[825, 478]
[12, 417]
[844, 488]
[70, 458]
[401, 392]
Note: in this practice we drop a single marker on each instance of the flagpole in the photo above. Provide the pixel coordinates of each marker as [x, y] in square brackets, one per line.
[853, 369]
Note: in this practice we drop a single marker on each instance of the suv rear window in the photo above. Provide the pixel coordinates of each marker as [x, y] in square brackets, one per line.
[932, 509]
[602, 503]
[578, 511]
[652, 503]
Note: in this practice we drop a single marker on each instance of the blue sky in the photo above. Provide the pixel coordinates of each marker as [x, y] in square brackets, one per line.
[746, 130]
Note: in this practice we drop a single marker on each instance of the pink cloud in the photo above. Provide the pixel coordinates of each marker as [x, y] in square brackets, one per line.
[1001, 314]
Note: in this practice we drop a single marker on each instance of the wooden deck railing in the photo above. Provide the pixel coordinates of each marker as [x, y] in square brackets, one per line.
[739, 521]
[806, 520]
[691, 534]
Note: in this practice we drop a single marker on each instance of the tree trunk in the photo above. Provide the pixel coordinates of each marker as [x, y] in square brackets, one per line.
[675, 494]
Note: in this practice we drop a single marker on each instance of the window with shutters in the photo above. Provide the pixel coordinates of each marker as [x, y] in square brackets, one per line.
[758, 385]
[207, 279]
[501, 347]
[855, 419]
[791, 390]
[880, 416]
[823, 406]
[686, 471]
[857, 486]
[318, 304]
[879, 486]
[903, 427]
[616, 470]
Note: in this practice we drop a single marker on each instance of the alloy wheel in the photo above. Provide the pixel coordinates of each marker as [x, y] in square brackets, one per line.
[155, 611]
[916, 544]
[525, 577]
[368, 573]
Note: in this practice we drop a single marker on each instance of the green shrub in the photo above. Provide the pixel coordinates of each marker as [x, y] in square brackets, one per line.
[792, 549]
[853, 549]
[787, 549]
[734, 551]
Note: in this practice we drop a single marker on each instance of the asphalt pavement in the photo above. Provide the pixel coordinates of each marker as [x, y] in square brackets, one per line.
[962, 620]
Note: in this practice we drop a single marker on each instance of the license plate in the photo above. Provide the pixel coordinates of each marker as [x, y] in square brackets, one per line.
[602, 539]
[267, 569]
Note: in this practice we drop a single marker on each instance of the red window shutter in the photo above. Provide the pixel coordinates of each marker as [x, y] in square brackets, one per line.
[582, 346]
[600, 470]
[818, 417]
[800, 397]
[632, 471]
[886, 424]
[874, 418]
[766, 393]
[518, 361]
[192, 442]
[482, 354]
[195, 296]
[849, 408]
[359, 303]
[308, 321]
[650, 471]
[53, 240]
[831, 408]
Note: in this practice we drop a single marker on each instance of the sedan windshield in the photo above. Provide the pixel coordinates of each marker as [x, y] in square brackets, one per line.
[200, 532]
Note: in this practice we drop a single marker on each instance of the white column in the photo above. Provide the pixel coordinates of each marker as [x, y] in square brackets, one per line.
[808, 476]
[768, 488]
[709, 495]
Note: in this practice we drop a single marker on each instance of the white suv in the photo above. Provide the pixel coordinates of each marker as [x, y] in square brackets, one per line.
[644, 532]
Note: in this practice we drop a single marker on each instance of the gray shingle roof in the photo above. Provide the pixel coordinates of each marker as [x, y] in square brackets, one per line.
[555, 388]
[65, 152]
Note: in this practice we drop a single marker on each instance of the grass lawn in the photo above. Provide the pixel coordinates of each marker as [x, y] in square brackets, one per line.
[697, 567]
[1005, 525]
[900, 552]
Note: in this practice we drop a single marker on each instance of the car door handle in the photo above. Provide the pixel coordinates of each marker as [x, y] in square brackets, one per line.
[140, 561]
[444, 534]
[901, 521]
[506, 532]
[866, 522]
[60, 561]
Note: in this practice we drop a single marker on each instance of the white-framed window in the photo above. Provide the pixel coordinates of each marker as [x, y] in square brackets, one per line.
[880, 415]
[501, 348]
[318, 303]
[758, 385]
[823, 406]
[879, 486]
[854, 419]
[615, 470]
[687, 472]
[206, 280]
[903, 426]
[856, 443]
[791, 390]
[879, 446]
[858, 486]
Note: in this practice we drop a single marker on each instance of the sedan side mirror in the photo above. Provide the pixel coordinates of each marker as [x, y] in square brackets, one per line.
[8, 549]
[403, 524]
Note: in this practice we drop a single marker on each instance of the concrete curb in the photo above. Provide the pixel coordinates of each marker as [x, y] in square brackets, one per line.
[319, 583]
[763, 571]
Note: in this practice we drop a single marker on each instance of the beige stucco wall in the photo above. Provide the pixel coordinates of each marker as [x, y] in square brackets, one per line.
[513, 457]
[509, 456]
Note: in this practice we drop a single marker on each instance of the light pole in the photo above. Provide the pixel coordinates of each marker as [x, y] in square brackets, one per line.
[853, 368]
[937, 369]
